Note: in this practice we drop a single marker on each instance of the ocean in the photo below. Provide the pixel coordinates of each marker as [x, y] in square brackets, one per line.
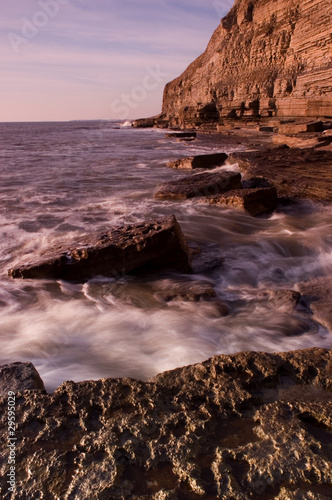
[62, 180]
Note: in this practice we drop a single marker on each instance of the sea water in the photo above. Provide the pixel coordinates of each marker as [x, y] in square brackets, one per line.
[63, 180]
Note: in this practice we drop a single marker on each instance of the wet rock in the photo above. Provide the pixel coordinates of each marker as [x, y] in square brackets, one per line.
[318, 296]
[199, 185]
[201, 161]
[19, 377]
[254, 201]
[295, 173]
[249, 425]
[186, 290]
[287, 300]
[182, 135]
[128, 249]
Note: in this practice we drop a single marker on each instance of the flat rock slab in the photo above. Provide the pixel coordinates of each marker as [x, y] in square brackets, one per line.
[255, 201]
[318, 294]
[296, 173]
[182, 135]
[19, 377]
[201, 161]
[199, 185]
[246, 426]
[129, 249]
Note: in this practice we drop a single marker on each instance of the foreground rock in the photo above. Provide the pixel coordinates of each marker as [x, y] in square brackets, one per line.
[254, 201]
[137, 248]
[199, 185]
[246, 426]
[201, 161]
[296, 173]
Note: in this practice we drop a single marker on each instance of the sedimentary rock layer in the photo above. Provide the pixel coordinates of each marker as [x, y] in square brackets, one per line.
[148, 246]
[266, 58]
[295, 173]
[246, 426]
[200, 161]
[199, 185]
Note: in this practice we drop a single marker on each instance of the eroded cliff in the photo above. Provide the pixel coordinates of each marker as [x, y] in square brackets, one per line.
[267, 58]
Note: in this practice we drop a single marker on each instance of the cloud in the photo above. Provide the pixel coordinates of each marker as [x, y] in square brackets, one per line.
[95, 50]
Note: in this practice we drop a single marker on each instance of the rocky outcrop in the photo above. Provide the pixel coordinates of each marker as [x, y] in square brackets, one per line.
[199, 185]
[295, 173]
[267, 58]
[255, 201]
[129, 249]
[250, 425]
[200, 161]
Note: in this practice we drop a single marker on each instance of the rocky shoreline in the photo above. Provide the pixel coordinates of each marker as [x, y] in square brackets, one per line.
[245, 426]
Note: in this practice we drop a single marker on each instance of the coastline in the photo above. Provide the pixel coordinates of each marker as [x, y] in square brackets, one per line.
[226, 427]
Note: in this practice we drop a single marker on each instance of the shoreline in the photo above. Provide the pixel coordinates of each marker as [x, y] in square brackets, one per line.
[245, 425]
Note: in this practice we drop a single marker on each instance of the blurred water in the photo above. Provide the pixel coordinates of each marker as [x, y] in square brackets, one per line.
[62, 180]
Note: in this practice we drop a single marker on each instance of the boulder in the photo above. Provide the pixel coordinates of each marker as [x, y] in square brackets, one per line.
[182, 135]
[201, 161]
[144, 247]
[199, 185]
[247, 426]
[19, 377]
[254, 201]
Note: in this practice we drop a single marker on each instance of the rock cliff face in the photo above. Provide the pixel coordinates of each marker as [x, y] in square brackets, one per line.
[267, 58]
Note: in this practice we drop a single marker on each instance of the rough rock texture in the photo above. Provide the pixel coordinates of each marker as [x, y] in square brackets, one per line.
[296, 173]
[133, 248]
[246, 426]
[318, 294]
[199, 185]
[19, 377]
[266, 58]
[254, 201]
[200, 161]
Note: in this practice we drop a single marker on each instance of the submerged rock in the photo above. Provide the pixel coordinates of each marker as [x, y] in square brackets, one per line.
[201, 161]
[199, 185]
[250, 425]
[254, 201]
[128, 249]
[185, 290]
[317, 293]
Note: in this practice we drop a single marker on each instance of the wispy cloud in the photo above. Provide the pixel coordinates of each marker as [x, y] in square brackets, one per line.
[88, 53]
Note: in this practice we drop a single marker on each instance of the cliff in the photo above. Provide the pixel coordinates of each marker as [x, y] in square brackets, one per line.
[267, 58]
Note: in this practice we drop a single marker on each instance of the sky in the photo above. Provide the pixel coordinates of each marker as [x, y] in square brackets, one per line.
[102, 59]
